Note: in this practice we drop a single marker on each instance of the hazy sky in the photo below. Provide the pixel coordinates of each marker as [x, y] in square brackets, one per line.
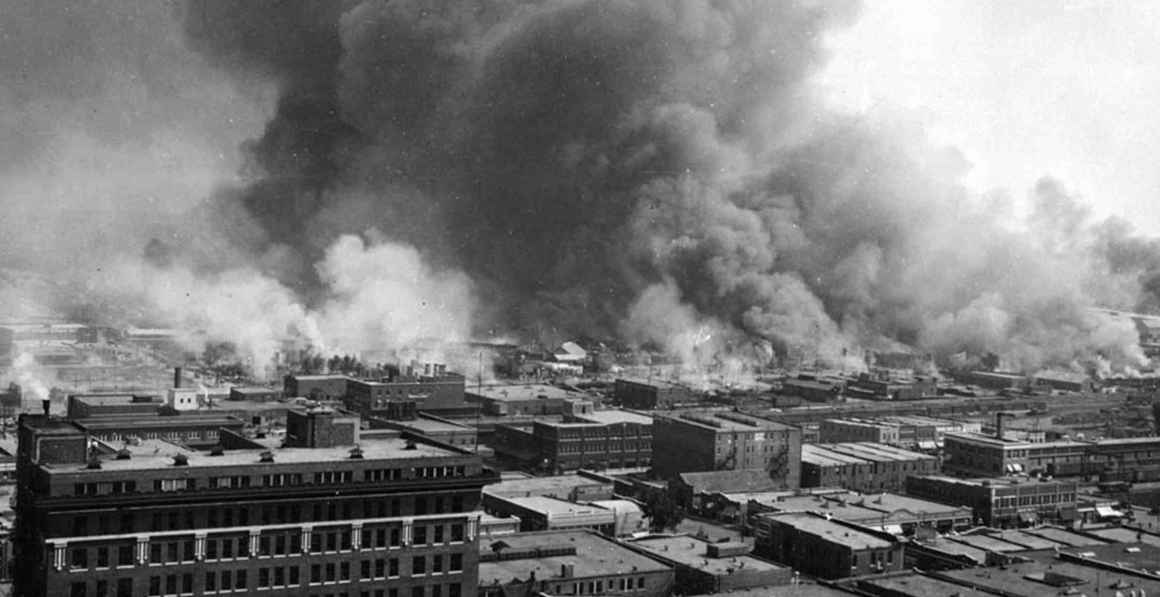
[1024, 88]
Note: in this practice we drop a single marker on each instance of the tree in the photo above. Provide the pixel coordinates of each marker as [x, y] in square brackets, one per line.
[663, 511]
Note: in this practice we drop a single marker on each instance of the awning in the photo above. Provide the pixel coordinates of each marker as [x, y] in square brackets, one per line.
[1108, 512]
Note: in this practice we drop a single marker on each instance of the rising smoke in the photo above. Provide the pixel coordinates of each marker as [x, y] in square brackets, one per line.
[655, 171]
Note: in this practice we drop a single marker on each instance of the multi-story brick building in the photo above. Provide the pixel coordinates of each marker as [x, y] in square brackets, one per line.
[600, 439]
[866, 467]
[709, 441]
[397, 397]
[988, 455]
[193, 429]
[528, 399]
[1001, 501]
[384, 518]
[828, 548]
[652, 394]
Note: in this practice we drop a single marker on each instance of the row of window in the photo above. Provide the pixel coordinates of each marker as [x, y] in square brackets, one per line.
[273, 480]
[628, 446]
[173, 520]
[124, 588]
[275, 543]
[230, 581]
[589, 587]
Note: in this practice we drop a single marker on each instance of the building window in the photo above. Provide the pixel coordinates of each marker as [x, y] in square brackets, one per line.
[77, 589]
[211, 581]
[418, 565]
[80, 558]
[173, 484]
[456, 564]
[437, 563]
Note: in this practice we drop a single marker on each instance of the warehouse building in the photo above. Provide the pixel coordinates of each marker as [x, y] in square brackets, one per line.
[710, 441]
[863, 466]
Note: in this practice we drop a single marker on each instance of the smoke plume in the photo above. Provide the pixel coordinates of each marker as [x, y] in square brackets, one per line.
[655, 171]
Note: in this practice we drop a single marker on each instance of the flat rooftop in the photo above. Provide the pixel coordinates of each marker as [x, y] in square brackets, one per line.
[555, 486]
[980, 438]
[433, 425]
[833, 531]
[158, 454]
[553, 506]
[994, 481]
[1047, 576]
[853, 506]
[658, 383]
[694, 553]
[988, 542]
[727, 421]
[523, 392]
[1064, 537]
[595, 557]
[917, 585]
[610, 416]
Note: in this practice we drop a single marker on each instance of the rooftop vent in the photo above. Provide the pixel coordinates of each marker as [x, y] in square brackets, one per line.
[356, 452]
[266, 456]
[94, 463]
[410, 445]
[124, 454]
[180, 460]
[217, 450]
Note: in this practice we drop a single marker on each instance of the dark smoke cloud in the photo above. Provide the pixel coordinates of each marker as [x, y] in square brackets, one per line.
[659, 171]
[664, 171]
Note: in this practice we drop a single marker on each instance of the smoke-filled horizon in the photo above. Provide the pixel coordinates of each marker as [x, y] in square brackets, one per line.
[649, 171]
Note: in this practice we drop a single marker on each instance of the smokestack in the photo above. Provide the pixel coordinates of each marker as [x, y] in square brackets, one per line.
[47, 405]
[177, 377]
[999, 424]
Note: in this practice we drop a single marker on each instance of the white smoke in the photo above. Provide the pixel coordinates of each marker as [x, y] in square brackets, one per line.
[29, 376]
[380, 298]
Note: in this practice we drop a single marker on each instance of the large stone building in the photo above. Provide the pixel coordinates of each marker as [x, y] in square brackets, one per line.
[710, 441]
[321, 515]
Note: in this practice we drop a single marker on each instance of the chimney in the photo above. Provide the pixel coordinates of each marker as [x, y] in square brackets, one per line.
[999, 424]
[177, 377]
[47, 405]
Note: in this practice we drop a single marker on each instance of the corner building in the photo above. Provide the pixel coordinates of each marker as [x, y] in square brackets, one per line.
[391, 517]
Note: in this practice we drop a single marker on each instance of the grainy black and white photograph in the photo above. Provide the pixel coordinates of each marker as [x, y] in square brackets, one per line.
[556, 298]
